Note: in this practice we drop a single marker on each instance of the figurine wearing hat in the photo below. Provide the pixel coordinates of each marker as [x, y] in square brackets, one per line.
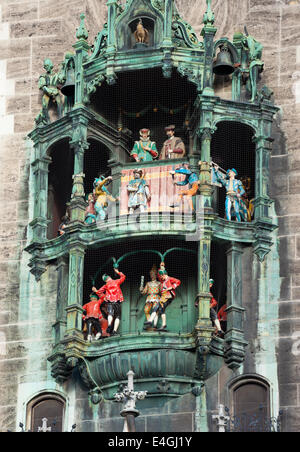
[167, 290]
[191, 179]
[173, 147]
[234, 192]
[92, 316]
[213, 312]
[102, 196]
[144, 150]
[139, 192]
[113, 298]
[152, 290]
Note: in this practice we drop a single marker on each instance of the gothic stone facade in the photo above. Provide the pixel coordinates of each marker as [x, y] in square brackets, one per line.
[34, 29]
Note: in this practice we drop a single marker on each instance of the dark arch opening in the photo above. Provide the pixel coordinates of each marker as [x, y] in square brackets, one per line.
[49, 406]
[60, 184]
[95, 163]
[233, 147]
[145, 98]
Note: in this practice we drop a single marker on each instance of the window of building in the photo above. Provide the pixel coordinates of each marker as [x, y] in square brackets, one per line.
[47, 406]
[250, 403]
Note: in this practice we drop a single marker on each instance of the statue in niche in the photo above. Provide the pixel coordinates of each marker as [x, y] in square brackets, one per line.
[144, 150]
[102, 197]
[256, 65]
[167, 290]
[191, 179]
[90, 212]
[141, 35]
[139, 192]
[48, 84]
[152, 290]
[113, 298]
[92, 316]
[234, 206]
[173, 147]
[213, 311]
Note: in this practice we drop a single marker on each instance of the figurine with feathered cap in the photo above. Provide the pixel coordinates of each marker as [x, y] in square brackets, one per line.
[113, 298]
[138, 191]
[234, 192]
[173, 147]
[144, 150]
[167, 291]
[152, 290]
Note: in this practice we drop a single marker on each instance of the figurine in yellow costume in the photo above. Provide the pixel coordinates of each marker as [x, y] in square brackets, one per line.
[152, 290]
[102, 196]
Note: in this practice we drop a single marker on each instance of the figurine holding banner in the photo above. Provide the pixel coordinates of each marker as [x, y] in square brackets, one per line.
[234, 207]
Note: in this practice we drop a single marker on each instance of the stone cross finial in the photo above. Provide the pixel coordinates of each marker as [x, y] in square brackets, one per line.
[129, 397]
[221, 419]
[44, 427]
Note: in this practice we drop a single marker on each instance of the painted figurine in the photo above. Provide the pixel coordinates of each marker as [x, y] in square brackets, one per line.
[152, 290]
[113, 298]
[213, 312]
[191, 179]
[48, 84]
[64, 222]
[167, 290]
[247, 198]
[141, 34]
[144, 150]
[234, 192]
[92, 316]
[102, 197]
[90, 212]
[139, 192]
[173, 147]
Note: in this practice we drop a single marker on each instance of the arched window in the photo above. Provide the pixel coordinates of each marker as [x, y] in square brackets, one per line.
[250, 401]
[49, 406]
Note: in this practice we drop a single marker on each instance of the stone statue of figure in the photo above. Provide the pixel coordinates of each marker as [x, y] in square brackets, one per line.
[152, 290]
[256, 65]
[141, 34]
[144, 150]
[48, 84]
[139, 192]
[173, 147]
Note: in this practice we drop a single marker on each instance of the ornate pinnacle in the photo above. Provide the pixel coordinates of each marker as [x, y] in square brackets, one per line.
[209, 17]
[82, 31]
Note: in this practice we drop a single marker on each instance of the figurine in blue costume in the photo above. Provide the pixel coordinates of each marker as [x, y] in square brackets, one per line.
[102, 197]
[139, 192]
[234, 206]
[191, 179]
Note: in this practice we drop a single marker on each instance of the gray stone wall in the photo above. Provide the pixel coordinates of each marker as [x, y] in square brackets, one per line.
[35, 29]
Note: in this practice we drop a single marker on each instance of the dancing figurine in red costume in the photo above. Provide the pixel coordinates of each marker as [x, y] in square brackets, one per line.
[113, 297]
[92, 316]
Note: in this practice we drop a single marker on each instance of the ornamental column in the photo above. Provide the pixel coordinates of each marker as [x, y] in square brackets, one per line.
[82, 48]
[79, 144]
[75, 290]
[208, 33]
[40, 170]
[234, 338]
